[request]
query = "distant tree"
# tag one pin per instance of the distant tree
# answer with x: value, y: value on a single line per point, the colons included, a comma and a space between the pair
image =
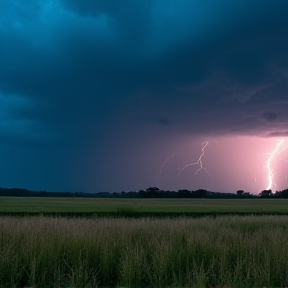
x: 247, y: 195
x: 142, y: 193
x: 152, y: 192
x: 284, y: 193
x: 200, y: 193
x: 152, y: 189
x: 266, y: 193
x: 183, y: 193
x: 281, y: 194
x: 240, y: 193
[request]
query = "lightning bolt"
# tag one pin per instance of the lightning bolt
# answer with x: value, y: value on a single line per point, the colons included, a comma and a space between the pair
x: 270, y: 159
x: 164, y: 163
x: 199, y: 162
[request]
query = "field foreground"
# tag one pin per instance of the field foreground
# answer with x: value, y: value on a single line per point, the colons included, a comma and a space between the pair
x: 90, y: 207
x: 229, y: 251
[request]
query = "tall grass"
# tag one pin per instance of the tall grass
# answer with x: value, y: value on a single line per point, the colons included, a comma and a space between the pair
x: 227, y: 251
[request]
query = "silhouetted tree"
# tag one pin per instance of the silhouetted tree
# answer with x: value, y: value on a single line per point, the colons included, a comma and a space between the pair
x: 284, y: 193
x: 247, y: 195
x: 281, y: 194
x: 183, y: 193
x: 152, y: 191
x: 240, y: 193
x: 141, y: 193
x: 266, y: 193
x: 200, y: 193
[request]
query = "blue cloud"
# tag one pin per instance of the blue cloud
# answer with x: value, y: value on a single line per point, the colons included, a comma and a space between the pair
x: 88, y: 70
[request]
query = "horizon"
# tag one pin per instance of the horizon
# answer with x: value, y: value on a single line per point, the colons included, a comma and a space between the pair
x: 140, y: 190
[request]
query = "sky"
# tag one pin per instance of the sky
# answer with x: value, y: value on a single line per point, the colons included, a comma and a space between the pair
x: 97, y: 95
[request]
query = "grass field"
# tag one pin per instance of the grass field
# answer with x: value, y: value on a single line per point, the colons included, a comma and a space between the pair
x: 124, y: 248
x: 140, y: 207
x: 229, y: 251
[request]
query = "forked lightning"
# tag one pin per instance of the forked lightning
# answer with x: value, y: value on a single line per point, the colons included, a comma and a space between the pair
x: 199, y: 162
x: 164, y: 163
x: 270, y: 169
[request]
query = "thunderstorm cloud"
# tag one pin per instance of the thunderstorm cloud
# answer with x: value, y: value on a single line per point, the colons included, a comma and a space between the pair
x: 83, y: 82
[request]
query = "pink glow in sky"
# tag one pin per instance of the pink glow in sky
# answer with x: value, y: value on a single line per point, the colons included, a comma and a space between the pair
x: 240, y: 162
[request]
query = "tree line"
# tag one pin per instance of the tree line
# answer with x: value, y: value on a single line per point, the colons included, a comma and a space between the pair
x: 151, y: 192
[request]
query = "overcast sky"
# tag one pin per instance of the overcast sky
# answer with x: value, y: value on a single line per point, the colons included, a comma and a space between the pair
x: 97, y: 95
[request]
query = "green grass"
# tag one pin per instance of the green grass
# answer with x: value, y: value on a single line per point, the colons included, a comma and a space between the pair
x: 140, y: 207
x: 229, y: 251
x: 204, y: 252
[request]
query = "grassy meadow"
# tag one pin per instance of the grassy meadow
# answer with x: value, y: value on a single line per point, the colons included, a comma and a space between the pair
x: 143, y: 243
x: 229, y: 251
x: 139, y: 207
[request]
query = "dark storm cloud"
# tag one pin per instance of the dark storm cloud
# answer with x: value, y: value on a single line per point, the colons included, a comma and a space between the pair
x: 74, y: 72
x: 128, y: 18
x: 84, y: 61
